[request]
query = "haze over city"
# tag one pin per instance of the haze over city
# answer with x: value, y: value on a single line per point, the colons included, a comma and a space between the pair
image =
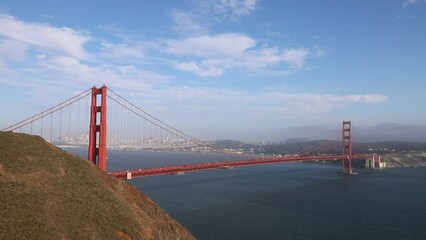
x: 245, y: 70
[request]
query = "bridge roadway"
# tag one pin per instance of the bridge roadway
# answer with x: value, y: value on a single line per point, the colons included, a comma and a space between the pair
x: 225, y: 165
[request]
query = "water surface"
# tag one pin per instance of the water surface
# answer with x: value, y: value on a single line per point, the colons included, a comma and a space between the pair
x: 284, y: 200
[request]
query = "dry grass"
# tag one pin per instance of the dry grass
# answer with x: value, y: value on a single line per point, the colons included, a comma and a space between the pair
x: 47, y: 193
x: 405, y: 159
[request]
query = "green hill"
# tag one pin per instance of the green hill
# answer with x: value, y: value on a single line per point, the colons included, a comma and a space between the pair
x: 46, y: 193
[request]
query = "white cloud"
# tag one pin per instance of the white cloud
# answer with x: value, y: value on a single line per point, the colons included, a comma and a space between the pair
x: 291, y: 102
x: 244, y: 109
x: 59, y: 60
x: 212, y: 55
x: 3, y: 69
x: 296, y: 57
x: 65, y: 41
x: 71, y: 71
x: 200, y: 70
x: 12, y: 50
x: 203, y: 13
x: 51, y: 56
x: 368, y: 98
x: 311, y: 102
x: 229, y: 44
x: 208, y: 55
x: 66, y: 68
x: 260, y: 58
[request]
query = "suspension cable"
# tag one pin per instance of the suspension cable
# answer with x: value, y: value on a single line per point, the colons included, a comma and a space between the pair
x: 47, y: 112
x: 187, y: 137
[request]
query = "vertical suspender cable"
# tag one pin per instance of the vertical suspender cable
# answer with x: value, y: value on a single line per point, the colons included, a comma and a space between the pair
x: 51, y: 127
x: 69, y: 122
x: 78, y: 122
x: 41, y: 128
x: 60, y: 125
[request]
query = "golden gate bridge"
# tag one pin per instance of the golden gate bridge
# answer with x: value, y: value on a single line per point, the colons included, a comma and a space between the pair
x: 83, y: 121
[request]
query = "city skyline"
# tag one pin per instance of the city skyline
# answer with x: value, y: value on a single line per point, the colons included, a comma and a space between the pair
x: 244, y: 70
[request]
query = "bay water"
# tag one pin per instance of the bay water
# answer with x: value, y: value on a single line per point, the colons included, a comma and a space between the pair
x: 283, y: 200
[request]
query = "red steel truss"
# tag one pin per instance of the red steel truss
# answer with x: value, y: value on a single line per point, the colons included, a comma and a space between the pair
x: 230, y: 164
x: 347, y: 147
x: 98, y: 128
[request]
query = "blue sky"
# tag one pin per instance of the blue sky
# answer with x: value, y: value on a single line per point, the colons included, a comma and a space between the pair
x: 223, y: 69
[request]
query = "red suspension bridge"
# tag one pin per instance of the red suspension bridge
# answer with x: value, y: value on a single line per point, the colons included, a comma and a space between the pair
x: 65, y: 124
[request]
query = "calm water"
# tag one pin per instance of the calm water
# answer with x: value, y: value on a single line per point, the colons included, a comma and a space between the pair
x: 284, y: 201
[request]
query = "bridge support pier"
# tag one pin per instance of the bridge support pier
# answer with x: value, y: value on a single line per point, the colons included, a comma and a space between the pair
x: 375, y: 162
x: 97, y: 152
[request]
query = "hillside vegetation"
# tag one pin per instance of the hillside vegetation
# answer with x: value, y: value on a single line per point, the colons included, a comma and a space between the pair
x: 46, y: 193
x: 405, y: 159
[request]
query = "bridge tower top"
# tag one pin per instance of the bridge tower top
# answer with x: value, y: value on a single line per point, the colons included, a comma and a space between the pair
x: 347, y: 138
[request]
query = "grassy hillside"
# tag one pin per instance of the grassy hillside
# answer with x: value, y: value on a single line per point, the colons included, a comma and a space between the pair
x: 46, y: 193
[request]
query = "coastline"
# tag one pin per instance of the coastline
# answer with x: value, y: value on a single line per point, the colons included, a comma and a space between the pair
x: 405, y: 159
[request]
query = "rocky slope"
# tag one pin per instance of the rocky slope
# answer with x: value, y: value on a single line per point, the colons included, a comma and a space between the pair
x: 46, y: 193
x: 405, y: 159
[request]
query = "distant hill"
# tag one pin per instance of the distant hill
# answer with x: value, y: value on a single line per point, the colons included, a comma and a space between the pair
x: 46, y: 193
x: 394, y: 153
x: 300, y: 145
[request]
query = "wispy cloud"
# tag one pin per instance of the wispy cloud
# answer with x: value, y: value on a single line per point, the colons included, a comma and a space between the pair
x: 239, y: 107
x: 230, y: 44
x: 285, y: 102
x: 13, y: 50
x: 187, y: 22
x: 200, y: 69
x: 406, y: 4
x: 66, y: 41
x: 70, y: 74
x: 296, y: 57
x: 211, y: 55
x: 239, y: 7
x: 61, y: 52
x: 406, y: 15
x: 312, y: 102
x: 59, y: 58
x: 201, y: 14
x: 411, y: 2
x: 123, y: 50
x: 73, y: 71
x: 230, y: 9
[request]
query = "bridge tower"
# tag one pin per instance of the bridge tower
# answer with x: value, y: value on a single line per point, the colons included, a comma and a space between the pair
x: 347, y: 147
x: 98, y: 128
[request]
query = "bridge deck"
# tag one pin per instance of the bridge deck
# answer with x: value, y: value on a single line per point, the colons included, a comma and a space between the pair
x: 216, y: 165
